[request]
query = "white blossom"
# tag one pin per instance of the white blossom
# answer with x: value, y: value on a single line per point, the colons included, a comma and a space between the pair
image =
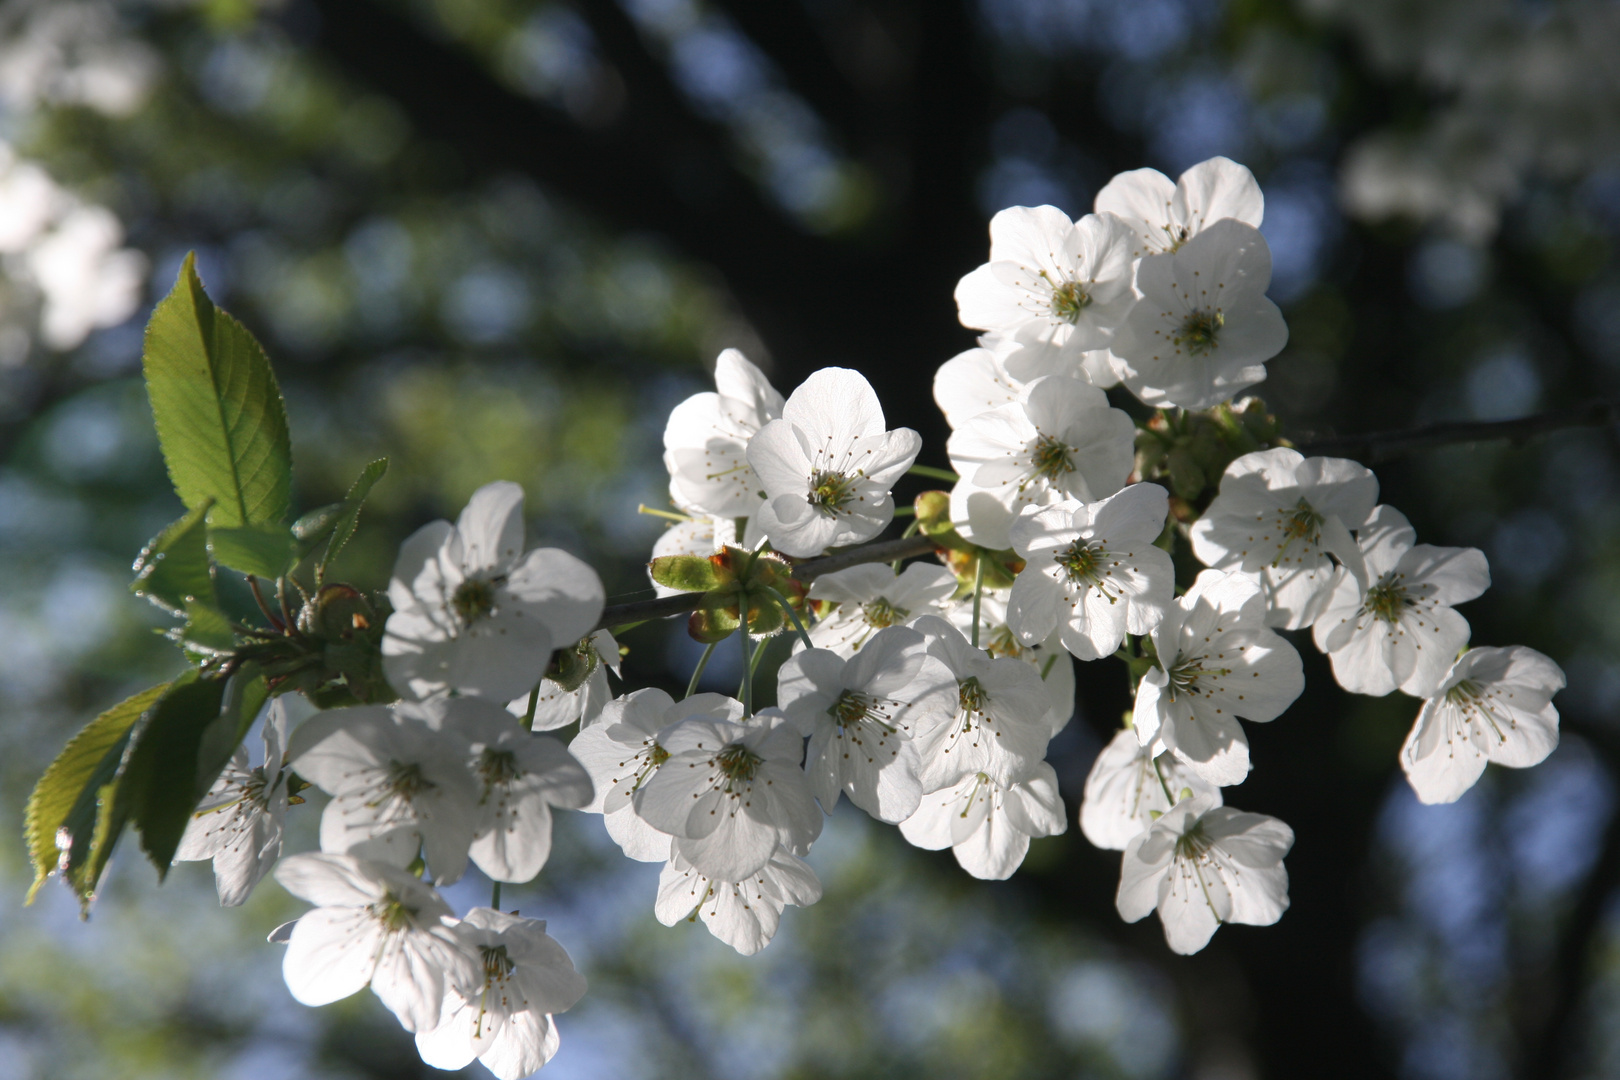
x: 827, y: 465
x: 556, y: 707
x: 730, y: 793
x: 1092, y: 573
x: 706, y: 440
x: 1052, y: 284
x: 998, y: 724
x: 1493, y: 705
x: 1049, y: 658
x: 1126, y: 790
x: 871, y: 597
x: 862, y: 715
x: 1059, y: 440
x: 1204, y: 327
x: 1278, y: 518
x: 1202, y: 865
x: 399, y: 780
x: 988, y: 824
x: 238, y: 823
x: 473, y: 613
x: 376, y: 925
x: 1216, y: 661
x: 973, y: 382
x: 521, y: 775
x: 1388, y: 622
x: 743, y: 914
x: 505, y: 1019
x: 1163, y: 216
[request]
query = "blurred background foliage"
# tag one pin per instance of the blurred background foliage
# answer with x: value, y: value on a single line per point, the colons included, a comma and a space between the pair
x: 501, y: 238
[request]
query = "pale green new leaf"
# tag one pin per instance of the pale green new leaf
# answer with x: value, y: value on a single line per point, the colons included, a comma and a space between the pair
x: 173, y: 568
x: 343, y: 528
x: 218, y: 410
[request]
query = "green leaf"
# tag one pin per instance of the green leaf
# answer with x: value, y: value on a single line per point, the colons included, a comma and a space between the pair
x: 88, y: 762
x: 207, y: 631
x: 689, y: 573
x: 173, y: 567
x: 245, y: 695
x: 219, y: 414
x: 265, y: 550
x: 343, y: 528
x: 159, y: 781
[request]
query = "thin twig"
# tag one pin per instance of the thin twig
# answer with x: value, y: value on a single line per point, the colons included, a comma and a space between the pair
x: 1385, y: 445
x: 883, y: 551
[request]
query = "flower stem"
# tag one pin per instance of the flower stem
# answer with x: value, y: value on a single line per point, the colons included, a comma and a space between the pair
x: 528, y: 720
x: 978, y: 595
x: 668, y: 515
x: 748, y: 659
x: 905, y: 511
x: 787, y: 609
x: 933, y: 473
x: 911, y: 530
x: 1168, y: 794
x: 697, y: 672
x: 495, y: 896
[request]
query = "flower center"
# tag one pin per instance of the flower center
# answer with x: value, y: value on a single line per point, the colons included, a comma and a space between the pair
x: 1193, y: 843
x: 392, y: 912
x: 738, y: 762
x: 1068, y: 300
x: 1386, y: 600
x: 830, y: 490
x: 1184, y: 675
x: 1080, y: 560
x: 1198, y: 332
x: 473, y: 600
x: 851, y: 707
x: 407, y: 781
x: 971, y: 695
x: 880, y: 613
x: 498, y: 767
x: 497, y: 965
x: 1002, y: 642
x: 1050, y: 458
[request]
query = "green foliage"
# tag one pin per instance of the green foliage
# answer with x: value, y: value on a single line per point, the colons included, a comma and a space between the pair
x: 265, y: 550
x: 219, y: 414
x: 960, y: 555
x: 173, y: 570
x: 89, y: 762
x: 349, y: 513
x: 158, y: 787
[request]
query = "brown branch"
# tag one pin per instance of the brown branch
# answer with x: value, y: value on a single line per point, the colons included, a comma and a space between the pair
x: 883, y: 551
x: 1385, y: 445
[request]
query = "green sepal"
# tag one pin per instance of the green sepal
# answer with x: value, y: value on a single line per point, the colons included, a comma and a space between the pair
x: 265, y: 550
x: 692, y: 573
x: 173, y: 568
x: 570, y: 667
x: 220, y: 418
x: 60, y: 820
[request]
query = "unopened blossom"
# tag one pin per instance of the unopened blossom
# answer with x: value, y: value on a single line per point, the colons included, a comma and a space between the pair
x: 1061, y: 439
x: 399, y: 782
x: 988, y: 824
x: 1388, y: 623
x: 862, y: 715
x: 871, y: 597
x: 505, y: 1019
x: 520, y: 775
x: 621, y: 752
x: 1216, y: 660
x: 998, y: 724
x: 1129, y: 786
x: 1493, y: 705
x: 828, y: 464
x: 1051, y: 661
x: 1204, y: 327
x: 1201, y: 865
x: 1163, y: 215
x: 1278, y: 518
x: 706, y: 440
x: 730, y: 793
x: 1091, y: 570
x: 238, y: 823
x: 743, y: 914
x: 557, y: 707
x: 1053, y: 284
x: 377, y: 925
x: 473, y: 613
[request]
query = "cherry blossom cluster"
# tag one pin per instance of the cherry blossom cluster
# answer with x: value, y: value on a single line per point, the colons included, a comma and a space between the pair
x: 926, y: 694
